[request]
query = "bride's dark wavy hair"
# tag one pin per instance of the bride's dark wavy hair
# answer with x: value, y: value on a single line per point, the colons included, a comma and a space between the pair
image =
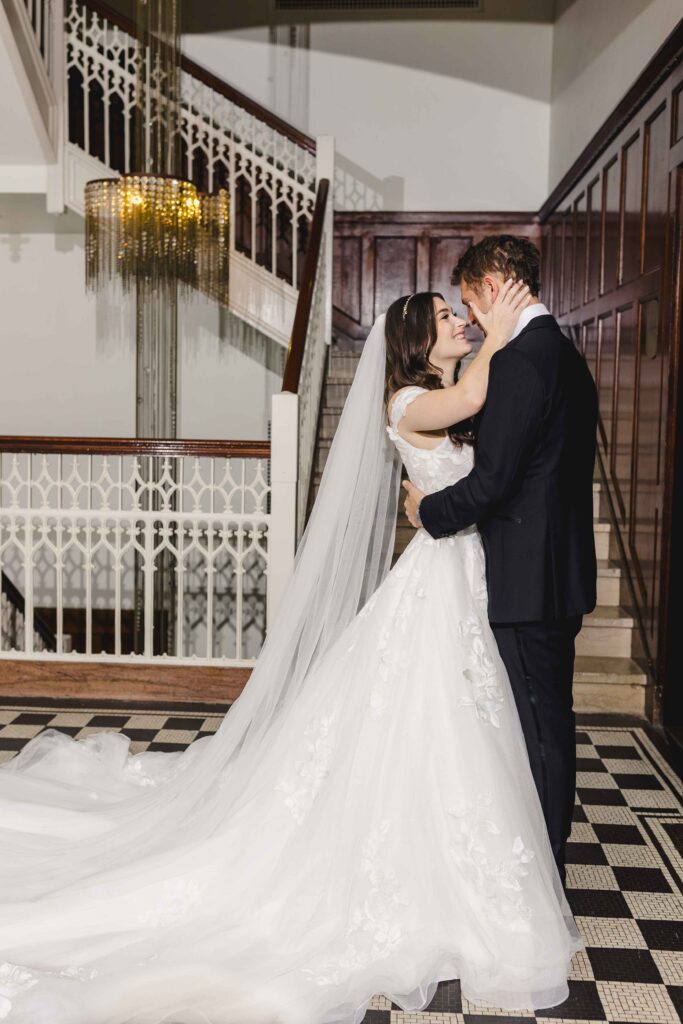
x: 409, y: 344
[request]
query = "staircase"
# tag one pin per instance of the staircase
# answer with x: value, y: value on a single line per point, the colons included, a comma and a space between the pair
x: 607, y: 676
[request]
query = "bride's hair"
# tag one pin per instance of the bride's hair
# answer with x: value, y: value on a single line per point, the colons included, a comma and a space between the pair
x: 410, y: 330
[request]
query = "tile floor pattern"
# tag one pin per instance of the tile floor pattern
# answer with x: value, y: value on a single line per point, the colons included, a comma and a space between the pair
x: 625, y: 862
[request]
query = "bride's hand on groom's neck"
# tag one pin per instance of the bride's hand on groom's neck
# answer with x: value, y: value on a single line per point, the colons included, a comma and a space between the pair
x: 501, y: 318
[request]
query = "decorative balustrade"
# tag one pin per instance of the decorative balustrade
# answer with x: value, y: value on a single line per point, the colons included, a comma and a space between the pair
x: 161, y: 549
x: 143, y: 551
x: 226, y: 141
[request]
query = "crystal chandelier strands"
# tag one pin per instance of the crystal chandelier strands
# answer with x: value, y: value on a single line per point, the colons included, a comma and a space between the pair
x: 155, y: 226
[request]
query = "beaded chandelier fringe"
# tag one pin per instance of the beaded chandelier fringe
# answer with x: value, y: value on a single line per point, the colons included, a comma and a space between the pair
x: 153, y: 225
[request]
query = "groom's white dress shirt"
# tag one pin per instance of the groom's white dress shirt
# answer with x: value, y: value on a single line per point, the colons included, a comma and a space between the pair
x: 527, y: 314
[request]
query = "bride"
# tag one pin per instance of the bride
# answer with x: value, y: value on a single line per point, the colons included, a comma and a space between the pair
x: 365, y: 819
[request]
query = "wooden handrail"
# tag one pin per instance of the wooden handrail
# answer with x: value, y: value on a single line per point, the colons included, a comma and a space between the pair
x: 134, y: 446
x: 212, y: 81
x: 290, y: 380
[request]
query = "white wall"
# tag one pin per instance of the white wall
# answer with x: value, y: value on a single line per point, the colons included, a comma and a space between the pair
x: 55, y: 379
x: 433, y: 115
x: 599, y: 49
x: 67, y: 363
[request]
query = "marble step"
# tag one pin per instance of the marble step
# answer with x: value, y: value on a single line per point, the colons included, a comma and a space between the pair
x: 609, y: 684
x: 322, y: 450
x: 334, y: 393
x: 329, y: 421
x: 605, y: 545
x: 343, y: 366
x: 611, y: 585
x: 606, y: 632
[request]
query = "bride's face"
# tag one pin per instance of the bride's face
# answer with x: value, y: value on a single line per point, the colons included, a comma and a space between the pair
x: 450, y: 333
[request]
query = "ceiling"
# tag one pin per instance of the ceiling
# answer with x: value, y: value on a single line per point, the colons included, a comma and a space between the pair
x: 200, y: 16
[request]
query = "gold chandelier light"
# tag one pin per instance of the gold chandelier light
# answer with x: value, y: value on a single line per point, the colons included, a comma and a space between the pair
x: 155, y: 226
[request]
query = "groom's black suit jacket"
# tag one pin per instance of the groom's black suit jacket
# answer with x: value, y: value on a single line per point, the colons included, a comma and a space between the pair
x: 531, y: 489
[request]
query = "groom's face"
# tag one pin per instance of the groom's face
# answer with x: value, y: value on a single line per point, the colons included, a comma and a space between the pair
x: 483, y: 293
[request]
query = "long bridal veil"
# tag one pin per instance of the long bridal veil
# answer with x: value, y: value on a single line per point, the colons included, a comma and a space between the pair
x: 70, y: 809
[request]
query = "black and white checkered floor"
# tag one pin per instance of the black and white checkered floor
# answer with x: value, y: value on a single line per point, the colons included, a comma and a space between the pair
x: 625, y: 862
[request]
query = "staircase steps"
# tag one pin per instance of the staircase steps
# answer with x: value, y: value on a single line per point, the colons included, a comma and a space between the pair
x: 607, y: 676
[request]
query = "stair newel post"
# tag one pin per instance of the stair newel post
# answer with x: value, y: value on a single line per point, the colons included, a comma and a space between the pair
x: 56, y: 61
x: 284, y: 464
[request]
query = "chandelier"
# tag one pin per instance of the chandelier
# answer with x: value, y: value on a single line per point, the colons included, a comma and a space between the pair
x: 154, y: 226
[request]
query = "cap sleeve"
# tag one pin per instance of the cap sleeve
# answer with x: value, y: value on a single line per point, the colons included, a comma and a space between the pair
x: 401, y: 402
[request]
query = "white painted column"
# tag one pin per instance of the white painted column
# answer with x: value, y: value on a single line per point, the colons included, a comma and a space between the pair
x: 284, y: 462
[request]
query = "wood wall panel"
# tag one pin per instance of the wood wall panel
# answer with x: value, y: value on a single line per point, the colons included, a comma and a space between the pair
x: 656, y: 189
x: 395, y: 270
x: 632, y: 208
x: 380, y: 256
x: 605, y: 373
x: 618, y: 255
x: 610, y: 225
x: 579, y: 253
x: 594, y: 232
x: 621, y: 452
x: 648, y: 453
x: 444, y: 254
x: 348, y: 256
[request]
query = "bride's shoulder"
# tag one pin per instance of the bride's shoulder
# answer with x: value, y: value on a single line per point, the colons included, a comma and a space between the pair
x: 402, y: 397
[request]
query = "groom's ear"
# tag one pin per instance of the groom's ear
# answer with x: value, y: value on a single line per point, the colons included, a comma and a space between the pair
x: 491, y: 287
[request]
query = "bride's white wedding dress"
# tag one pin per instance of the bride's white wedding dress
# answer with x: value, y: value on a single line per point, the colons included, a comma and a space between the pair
x: 388, y: 836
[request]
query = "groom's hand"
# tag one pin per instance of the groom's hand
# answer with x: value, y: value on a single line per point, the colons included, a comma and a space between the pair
x: 413, y: 499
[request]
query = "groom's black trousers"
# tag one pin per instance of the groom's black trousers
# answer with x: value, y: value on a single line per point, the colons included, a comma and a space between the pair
x: 539, y: 658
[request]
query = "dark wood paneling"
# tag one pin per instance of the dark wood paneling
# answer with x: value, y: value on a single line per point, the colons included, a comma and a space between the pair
x: 444, y: 254
x: 395, y: 271
x: 621, y: 452
x: 610, y: 225
x: 632, y: 207
x: 594, y: 251
x: 624, y: 317
x: 656, y: 189
x: 579, y: 269
x: 647, y: 468
x: 605, y: 374
x: 380, y: 256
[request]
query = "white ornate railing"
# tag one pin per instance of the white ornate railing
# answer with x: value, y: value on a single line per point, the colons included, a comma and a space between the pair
x: 89, y: 532
x: 226, y: 141
x: 77, y: 541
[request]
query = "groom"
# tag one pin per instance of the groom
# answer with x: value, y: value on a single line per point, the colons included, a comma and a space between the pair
x: 531, y: 495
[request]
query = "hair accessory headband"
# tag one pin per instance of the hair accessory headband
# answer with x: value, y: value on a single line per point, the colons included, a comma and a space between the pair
x: 405, y: 308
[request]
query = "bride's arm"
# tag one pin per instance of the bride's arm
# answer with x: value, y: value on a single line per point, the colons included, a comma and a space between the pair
x: 445, y: 406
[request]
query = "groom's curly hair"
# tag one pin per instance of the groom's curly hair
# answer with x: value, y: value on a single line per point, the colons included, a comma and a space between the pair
x: 409, y: 341
x: 511, y: 255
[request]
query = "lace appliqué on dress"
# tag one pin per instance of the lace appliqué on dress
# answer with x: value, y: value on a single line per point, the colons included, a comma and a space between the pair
x: 14, y: 980
x: 497, y: 880
x: 179, y: 895
x: 300, y: 796
x: 373, y: 924
x: 487, y: 693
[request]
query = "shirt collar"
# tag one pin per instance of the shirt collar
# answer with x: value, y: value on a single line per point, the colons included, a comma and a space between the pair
x: 527, y: 315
